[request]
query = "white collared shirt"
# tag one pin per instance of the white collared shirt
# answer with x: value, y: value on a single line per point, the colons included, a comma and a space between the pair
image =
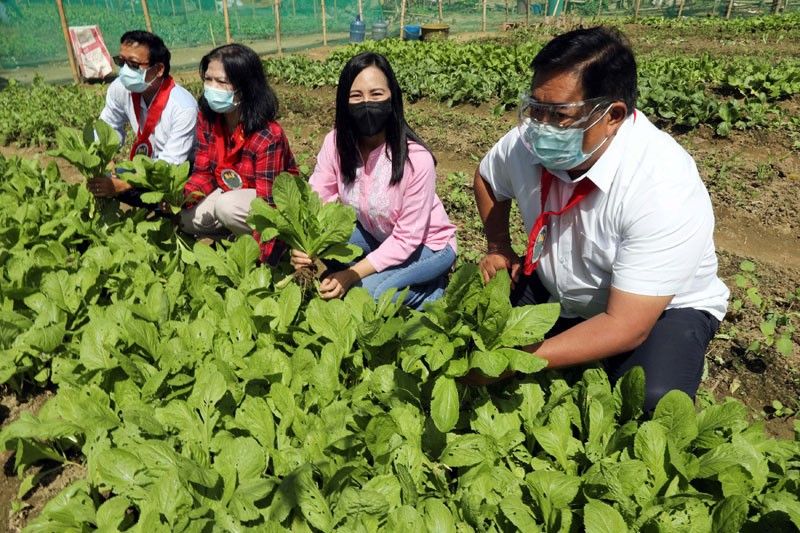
x: 647, y: 230
x: 173, y: 136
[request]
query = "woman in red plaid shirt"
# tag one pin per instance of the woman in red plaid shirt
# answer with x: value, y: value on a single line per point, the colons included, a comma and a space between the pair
x: 240, y: 146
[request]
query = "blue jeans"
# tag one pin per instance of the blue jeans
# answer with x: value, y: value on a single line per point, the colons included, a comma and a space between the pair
x: 424, y: 272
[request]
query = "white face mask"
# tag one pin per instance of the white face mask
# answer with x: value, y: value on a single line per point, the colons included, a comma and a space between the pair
x: 134, y: 80
x: 219, y: 100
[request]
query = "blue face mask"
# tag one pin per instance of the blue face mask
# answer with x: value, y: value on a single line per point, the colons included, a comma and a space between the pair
x: 133, y: 80
x: 557, y: 148
x: 218, y: 100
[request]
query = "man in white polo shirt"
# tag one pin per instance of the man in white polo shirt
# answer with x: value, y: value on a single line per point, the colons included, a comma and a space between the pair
x: 620, y: 224
x: 161, y: 113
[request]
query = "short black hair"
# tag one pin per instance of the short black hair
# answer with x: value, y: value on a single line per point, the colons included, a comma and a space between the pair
x: 398, y: 132
x: 601, y: 57
x: 159, y: 53
x: 258, y: 104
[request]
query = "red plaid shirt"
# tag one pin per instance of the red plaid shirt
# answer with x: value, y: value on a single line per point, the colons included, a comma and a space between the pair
x: 265, y: 154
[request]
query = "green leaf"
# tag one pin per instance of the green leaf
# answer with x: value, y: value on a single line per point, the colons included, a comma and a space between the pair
x: 599, y: 517
x: 519, y: 514
x: 650, y: 445
x: 444, y: 403
x: 120, y: 470
x: 629, y: 392
x: 494, y: 313
x: 438, y: 517
x: 111, y: 513
x: 528, y: 324
x: 491, y: 364
x: 524, y: 362
x: 729, y: 515
x: 465, y: 450
x: 675, y: 411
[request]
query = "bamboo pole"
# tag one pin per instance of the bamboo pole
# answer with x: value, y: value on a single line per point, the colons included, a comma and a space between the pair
x: 236, y: 16
x: 294, y: 8
x: 147, y: 22
x: 174, y: 12
x: 730, y: 8
x: 483, y: 22
x: 441, y: 17
x: 680, y: 8
x: 324, y: 24
x: 277, y: 7
x: 564, y: 9
x: 361, y: 9
x: 636, y: 9
x: 506, y: 11
x: 65, y: 28
x: 599, y: 7
x: 227, y: 20
x: 213, y: 40
x: 402, y: 18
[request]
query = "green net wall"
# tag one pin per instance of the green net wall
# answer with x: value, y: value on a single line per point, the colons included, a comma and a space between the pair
x: 31, y: 36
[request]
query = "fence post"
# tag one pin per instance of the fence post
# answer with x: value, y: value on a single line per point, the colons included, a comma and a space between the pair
x: 680, y: 8
x: 730, y: 8
x: 402, y: 18
x: 277, y: 7
x: 361, y: 10
x: 148, y: 24
x: 483, y: 21
x: 441, y: 18
x: 228, y: 39
x: 324, y: 24
x: 636, y: 9
x: 65, y: 28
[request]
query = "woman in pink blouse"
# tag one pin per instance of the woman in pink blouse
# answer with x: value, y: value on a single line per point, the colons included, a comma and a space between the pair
x: 374, y: 162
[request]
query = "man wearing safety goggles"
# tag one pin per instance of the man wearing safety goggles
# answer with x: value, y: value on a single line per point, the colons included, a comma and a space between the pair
x: 161, y: 114
x: 620, y: 224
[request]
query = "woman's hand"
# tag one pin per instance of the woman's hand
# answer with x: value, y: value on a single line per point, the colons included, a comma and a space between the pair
x: 107, y: 186
x: 299, y: 259
x: 337, y: 284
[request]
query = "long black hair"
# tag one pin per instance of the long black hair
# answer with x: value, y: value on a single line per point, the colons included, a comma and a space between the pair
x: 258, y: 104
x: 398, y: 132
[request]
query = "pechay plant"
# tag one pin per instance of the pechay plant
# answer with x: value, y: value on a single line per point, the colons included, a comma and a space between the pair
x: 162, y: 181
x: 90, y: 151
x: 305, y: 223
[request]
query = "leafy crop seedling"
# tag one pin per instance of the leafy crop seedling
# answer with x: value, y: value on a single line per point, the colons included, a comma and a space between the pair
x: 305, y: 223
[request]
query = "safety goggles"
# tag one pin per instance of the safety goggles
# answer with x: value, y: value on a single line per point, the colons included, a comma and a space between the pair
x: 568, y: 115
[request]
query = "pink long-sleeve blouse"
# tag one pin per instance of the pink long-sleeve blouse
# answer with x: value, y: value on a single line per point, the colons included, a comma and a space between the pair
x: 401, y: 217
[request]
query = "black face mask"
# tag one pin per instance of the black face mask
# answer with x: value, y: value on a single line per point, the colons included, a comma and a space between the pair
x: 369, y: 118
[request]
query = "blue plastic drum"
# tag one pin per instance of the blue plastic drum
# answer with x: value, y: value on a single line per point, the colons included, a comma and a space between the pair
x: 412, y: 32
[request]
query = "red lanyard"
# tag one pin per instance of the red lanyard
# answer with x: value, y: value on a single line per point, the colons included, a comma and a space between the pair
x: 538, y: 234
x: 142, y: 143
x: 228, y: 158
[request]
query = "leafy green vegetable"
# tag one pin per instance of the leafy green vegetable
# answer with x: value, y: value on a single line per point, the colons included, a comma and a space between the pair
x: 90, y: 151
x: 163, y: 181
x: 302, y: 221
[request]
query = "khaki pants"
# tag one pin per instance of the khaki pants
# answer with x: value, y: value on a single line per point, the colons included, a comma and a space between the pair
x: 219, y: 213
